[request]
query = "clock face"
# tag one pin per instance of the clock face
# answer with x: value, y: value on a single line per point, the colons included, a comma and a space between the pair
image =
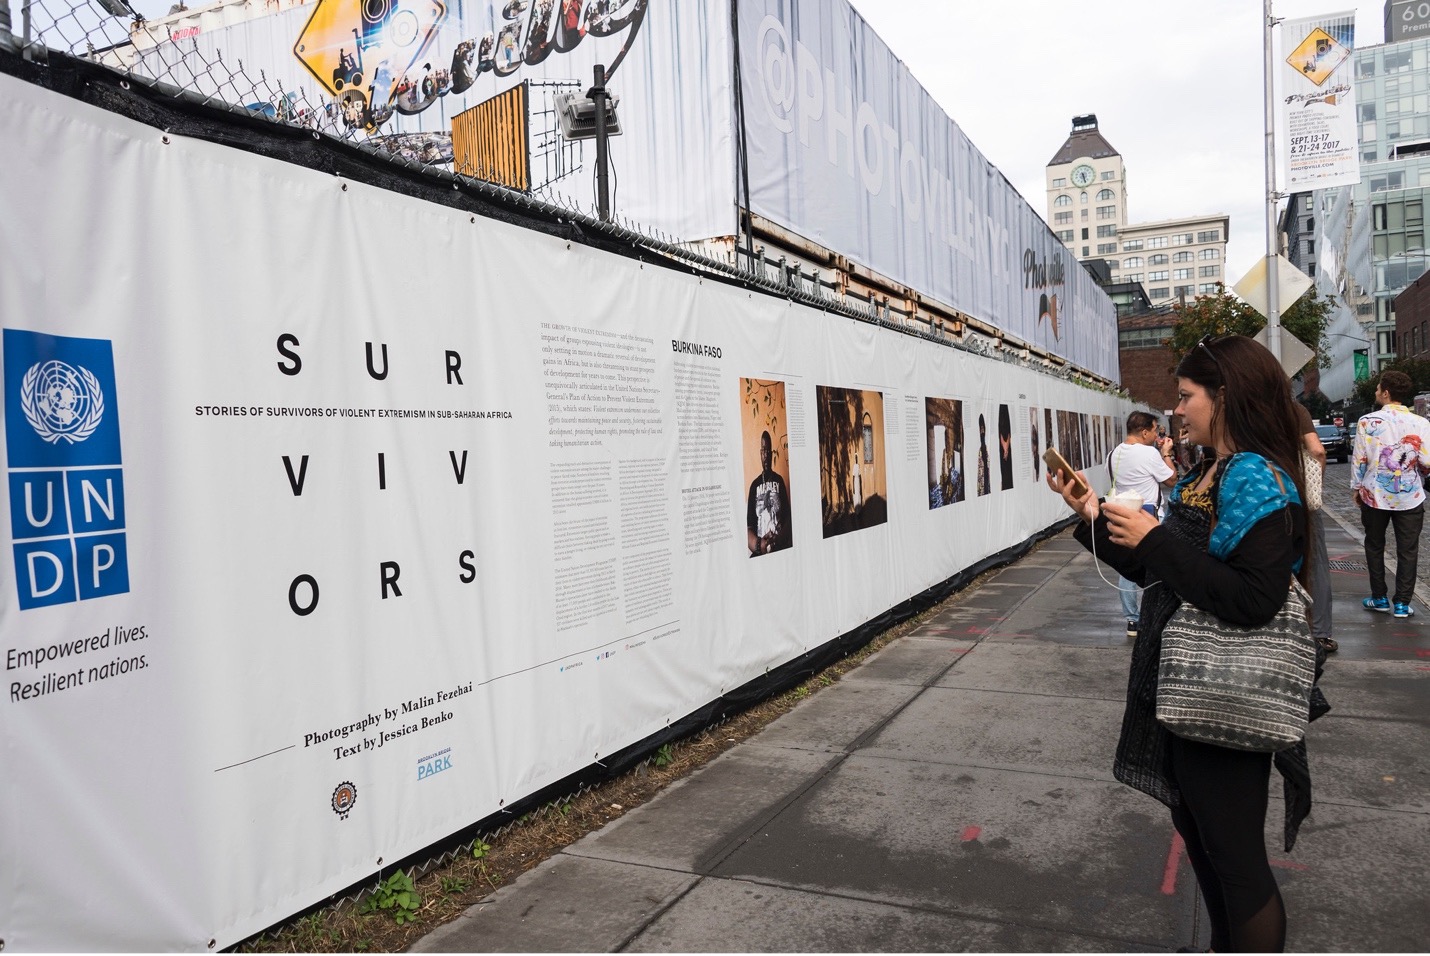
x: 1082, y: 175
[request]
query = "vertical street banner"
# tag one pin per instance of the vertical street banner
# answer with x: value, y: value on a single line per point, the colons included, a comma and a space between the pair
x: 1317, y: 115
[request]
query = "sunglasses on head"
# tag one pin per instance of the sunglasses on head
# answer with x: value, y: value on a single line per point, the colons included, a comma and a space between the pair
x: 1207, y: 341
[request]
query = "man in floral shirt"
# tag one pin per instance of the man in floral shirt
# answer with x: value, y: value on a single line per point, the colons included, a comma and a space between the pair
x: 1391, y: 457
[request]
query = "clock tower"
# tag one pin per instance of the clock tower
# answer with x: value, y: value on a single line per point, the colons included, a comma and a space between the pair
x: 1087, y: 192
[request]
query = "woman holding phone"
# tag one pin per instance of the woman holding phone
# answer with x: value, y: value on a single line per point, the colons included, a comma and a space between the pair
x: 1234, y: 535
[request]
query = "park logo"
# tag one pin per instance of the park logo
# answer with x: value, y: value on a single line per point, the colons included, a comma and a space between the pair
x: 64, y: 471
x: 344, y: 797
x: 433, y: 764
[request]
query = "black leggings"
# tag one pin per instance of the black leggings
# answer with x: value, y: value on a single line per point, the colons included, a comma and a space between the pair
x: 1222, y: 821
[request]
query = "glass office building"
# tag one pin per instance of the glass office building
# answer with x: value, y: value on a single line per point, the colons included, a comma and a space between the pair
x: 1366, y: 243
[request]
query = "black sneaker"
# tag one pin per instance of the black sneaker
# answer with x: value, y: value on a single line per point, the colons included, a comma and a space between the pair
x: 1131, y: 628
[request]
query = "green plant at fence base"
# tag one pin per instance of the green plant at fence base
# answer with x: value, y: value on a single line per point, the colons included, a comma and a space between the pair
x: 397, y: 895
x: 479, y: 849
x: 454, y: 884
x: 664, y: 756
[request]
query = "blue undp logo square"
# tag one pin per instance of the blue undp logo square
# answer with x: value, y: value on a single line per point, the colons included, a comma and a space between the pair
x: 66, y: 486
x: 44, y: 571
x: 60, y: 405
x: 96, y: 499
x: 101, y: 565
x: 37, y: 504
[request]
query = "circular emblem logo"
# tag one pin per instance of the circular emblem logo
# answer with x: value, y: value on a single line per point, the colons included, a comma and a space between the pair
x: 344, y: 796
x: 61, y: 402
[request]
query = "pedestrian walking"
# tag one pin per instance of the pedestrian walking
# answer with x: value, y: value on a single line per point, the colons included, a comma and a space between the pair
x: 1141, y: 464
x: 1319, y: 574
x: 1233, y: 538
x: 1388, y: 466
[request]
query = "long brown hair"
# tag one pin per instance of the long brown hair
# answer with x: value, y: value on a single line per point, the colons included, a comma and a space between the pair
x: 1251, y: 402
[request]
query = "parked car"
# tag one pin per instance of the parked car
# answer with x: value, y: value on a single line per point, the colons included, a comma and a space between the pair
x: 1336, y: 440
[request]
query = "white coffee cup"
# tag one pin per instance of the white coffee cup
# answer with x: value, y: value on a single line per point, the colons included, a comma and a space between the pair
x: 1128, y: 499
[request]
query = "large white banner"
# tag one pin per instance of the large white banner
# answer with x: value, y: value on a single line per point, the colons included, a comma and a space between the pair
x: 1317, y: 119
x: 847, y: 148
x: 844, y: 146
x: 309, y: 565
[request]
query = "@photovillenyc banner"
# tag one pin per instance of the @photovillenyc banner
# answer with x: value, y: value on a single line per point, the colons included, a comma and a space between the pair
x: 1318, y: 107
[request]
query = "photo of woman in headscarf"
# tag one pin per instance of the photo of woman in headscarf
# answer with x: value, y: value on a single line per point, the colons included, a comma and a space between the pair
x: 983, y: 485
x: 1005, y: 448
x: 1033, y: 435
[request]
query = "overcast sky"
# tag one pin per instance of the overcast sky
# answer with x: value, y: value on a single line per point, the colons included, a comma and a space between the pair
x: 1176, y: 86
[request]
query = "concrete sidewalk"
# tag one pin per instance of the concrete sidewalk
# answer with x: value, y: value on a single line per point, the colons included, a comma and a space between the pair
x: 955, y: 793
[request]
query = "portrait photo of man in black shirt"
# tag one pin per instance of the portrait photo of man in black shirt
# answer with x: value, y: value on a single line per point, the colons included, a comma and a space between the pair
x: 767, y: 511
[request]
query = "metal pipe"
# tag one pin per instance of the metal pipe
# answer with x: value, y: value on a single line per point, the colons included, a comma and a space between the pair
x: 597, y: 93
x: 1273, y: 306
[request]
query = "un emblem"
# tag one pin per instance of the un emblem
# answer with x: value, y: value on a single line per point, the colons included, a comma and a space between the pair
x: 61, y: 402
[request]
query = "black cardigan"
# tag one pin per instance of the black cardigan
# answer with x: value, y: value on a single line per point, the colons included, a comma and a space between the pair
x: 1246, y: 589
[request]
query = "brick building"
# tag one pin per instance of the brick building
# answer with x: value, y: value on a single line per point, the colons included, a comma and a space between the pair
x: 1146, y: 367
x: 1412, y: 319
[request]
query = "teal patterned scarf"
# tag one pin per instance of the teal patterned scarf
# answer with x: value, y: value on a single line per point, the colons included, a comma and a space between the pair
x: 1247, y: 492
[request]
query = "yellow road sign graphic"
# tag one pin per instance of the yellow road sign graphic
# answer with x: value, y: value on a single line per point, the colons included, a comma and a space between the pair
x: 1317, y: 56
x: 367, y: 46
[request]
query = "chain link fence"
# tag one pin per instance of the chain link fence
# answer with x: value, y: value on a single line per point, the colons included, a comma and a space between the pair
x: 166, y: 55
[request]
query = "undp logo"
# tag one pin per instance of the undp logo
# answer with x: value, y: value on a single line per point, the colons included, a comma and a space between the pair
x: 62, y: 403
x: 64, y: 469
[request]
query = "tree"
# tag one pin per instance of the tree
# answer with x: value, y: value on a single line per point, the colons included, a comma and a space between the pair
x: 1417, y: 369
x: 1225, y: 314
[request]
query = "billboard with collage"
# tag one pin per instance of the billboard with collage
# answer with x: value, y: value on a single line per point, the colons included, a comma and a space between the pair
x: 299, y: 581
x: 398, y: 73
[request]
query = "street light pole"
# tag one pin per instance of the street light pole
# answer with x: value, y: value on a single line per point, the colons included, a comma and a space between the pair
x: 1273, y: 306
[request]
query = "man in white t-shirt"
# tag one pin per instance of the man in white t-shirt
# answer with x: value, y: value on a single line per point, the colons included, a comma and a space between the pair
x: 1141, y: 464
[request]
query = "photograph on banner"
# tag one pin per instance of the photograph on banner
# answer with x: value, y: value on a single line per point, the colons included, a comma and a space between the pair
x: 1050, y: 437
x: 1316, y: 124
x: 983, y: 483
x: 853, y: 483
x: 943, y: 439
x: 1070, y: 438
x: 1036, y: 452
x: 764, y: 434
x: 1005, y: 448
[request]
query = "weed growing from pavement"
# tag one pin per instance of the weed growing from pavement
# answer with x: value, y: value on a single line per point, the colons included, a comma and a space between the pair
x: 443, y: 892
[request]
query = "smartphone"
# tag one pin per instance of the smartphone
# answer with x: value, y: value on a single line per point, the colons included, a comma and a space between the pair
x: 1058, y: 463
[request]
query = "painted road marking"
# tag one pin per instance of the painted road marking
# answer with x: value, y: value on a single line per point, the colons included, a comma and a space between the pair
x: 1174, y: 859
x: 1179, y: 848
